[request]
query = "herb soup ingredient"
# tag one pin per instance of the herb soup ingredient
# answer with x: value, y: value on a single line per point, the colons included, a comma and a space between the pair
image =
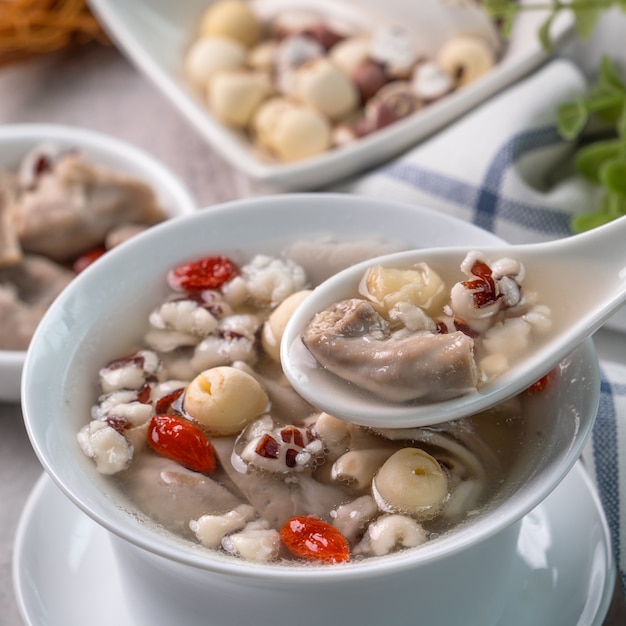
x: 207, y: 273
x: 409, y: 337
x: 182, y: 441
x: 311, y: 538
x: 278, y: 481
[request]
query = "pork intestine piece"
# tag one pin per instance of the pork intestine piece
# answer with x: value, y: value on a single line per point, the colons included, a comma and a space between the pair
x: 353, y: 341
x: 18, y: 321
x: 10, y: 249
x: 279, y: 498
x: 74, y: 206
x: 26, y: 291
x: 172, y: 495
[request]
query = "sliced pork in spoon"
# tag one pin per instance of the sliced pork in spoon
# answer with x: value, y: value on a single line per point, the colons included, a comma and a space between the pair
x: 353, y: 341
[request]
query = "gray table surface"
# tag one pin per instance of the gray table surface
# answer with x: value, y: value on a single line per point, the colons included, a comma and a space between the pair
x: 99, y: 89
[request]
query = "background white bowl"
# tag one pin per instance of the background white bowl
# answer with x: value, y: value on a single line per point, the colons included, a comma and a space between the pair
x: 16, y: 140
x: 175, y: 581
x: 155, y: 34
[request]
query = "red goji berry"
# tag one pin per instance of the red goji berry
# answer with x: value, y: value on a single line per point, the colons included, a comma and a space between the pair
x: 164, y: 404
x: 210, y: 272
x: 86, y: 259
x: 538, y: 385
x: 180, y: 440
x: 311, y: 538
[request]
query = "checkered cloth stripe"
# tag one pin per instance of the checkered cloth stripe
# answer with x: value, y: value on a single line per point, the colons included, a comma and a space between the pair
x: 604, y: 457
x: 485, y: 203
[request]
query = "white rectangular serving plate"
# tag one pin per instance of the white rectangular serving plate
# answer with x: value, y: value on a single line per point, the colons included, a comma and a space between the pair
x: 155, y: 34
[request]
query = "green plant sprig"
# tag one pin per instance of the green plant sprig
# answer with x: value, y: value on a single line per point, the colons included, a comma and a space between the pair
x: 586, y: 14
x: 600, y: 161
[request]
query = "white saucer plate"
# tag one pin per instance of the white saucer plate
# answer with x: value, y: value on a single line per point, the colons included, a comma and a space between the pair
x: 64, y: 570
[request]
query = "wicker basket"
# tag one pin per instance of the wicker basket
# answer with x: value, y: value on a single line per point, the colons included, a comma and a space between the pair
x: 30, y: 28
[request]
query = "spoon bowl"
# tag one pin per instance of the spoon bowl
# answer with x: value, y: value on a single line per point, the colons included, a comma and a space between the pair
x: 582, y: 279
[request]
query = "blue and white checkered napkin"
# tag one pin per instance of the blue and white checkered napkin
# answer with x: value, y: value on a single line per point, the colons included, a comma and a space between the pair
x: 501, y: 167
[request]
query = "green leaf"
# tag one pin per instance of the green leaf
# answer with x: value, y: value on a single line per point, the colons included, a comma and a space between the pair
x: 606, y: 105
x: 498, y: 8
x: 585, y: 20
x: 507, y: 24
x: 592, y: 158
x: 620, y: 124
x: 606, y: 90
x: 611, y: 207
x: 571, y: 118
x: 544, y: 32
x: 600, y: 98
x: 587, y: 221
x: 614, y: 204
x: 613, y: 176
x: 608, y: 76
x: 608, y: 96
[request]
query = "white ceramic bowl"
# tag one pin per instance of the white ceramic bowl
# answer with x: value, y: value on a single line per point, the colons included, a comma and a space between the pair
x: 155, y: 34
x: 18, y: 139
x: 460, y: 578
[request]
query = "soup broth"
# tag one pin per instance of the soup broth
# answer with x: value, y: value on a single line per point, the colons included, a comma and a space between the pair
x: 200, y: 429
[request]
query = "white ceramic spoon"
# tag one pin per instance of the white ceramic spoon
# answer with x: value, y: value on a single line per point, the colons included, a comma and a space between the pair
x: 581, y: 278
